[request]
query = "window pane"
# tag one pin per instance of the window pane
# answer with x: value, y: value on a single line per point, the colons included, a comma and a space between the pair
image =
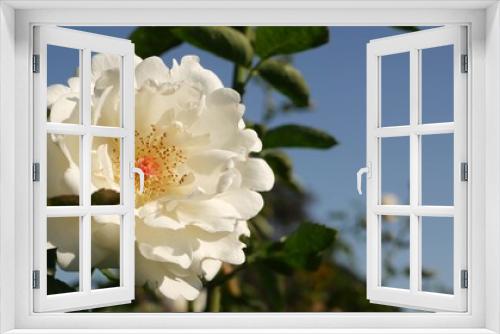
x: 395, y: 171
x: 63, y: 85
x: 395, y: 245
x: 437, y: 84
x: 63, y: 244
x: 437, y: 169
x: 63, y: 170
x: 105, y: 176
x: 395, y: 90
x: 105, y: 251
x: 437, y: 254
x: 106, y: 89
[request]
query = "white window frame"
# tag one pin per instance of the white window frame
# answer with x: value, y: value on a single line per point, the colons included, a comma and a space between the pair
x: 483, y: 18
x: 84, y: 43
x: 413, y: 45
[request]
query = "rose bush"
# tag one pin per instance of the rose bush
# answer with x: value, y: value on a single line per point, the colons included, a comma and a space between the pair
x: 201, y: 184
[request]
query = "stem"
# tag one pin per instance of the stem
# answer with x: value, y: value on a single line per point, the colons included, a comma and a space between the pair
x: 224, y: 278
x: 252, y: 72
x: 238, y: 79
x: 215, y: 297
x: 239, y: 71
x: 190, y: 306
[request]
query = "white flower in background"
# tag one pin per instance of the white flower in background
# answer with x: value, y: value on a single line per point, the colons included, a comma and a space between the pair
x: 390, y: 199
x: 201, y: 186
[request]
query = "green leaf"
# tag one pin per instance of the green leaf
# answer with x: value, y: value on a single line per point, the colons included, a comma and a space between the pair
x: 292, y: 135
x: 302, y: 249
x: 282, y: 167
x: 153, y: 41
x: 225, y: 42
x: 270, y: 288
x: 270, y: 41
x: 286, y: 79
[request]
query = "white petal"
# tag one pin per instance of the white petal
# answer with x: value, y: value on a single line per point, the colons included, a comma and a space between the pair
x: 74, y: 84
x: 243, y: 142
x: 188, y: 287
x: 152, y: 68
x: 242, y: 228
x: 206, y: 162
x: 65, y: 109
x: 163, y: 254
x: 56, y: 169
x: 190, y: 70
x: 105, y: 242
x: 72, y: 178
x: 164, y: 222
x: 63, y: 233
x: 170, y: 279
x: 164, y: 245
x: 210, y: 268
x: 224, y: 97
x: 54, y: 92
x: 224, y: 246
x: 212, y: 215
x: 256, y: 174
x: 246, y: 202
x: 226, y: 180
x: 102, y: 62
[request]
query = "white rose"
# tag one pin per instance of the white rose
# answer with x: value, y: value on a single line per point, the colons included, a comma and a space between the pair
x: 201, y: 186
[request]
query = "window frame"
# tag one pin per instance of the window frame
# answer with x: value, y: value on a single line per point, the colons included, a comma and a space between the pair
x: 413, y: 44
x: 483, y: 18
x: 84, y: 43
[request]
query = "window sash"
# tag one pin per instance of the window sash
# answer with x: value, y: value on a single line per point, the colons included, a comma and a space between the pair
x: 86, y: 297
x: 413, y: 43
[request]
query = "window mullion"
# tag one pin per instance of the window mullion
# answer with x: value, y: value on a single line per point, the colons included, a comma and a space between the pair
x: 85, y: 236
x: 415, y: 241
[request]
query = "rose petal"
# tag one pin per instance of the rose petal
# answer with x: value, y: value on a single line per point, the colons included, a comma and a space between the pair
x: 256, y: 174
x: 152, y: 69
x: 55, y: 92
x: 247, y: 203
x: 210, y: 268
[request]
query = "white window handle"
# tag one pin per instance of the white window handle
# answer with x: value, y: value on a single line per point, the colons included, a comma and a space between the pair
x: 134, y: 170
x: 365, y: 170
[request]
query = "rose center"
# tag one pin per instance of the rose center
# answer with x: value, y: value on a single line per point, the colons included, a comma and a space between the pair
x: 160, y: 161
x: 148, y: 165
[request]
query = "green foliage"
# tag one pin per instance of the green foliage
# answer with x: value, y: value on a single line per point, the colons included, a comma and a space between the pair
x: 236, y: 44
x: 293, y: 135
x: 282, y: 167
x: 153, y: 41
x: 225, y: 42
x: 302, y: 249
x: 271, y: 41
x: 286, y: 79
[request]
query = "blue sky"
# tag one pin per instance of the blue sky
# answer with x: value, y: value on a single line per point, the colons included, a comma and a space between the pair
x: 336, y: 74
